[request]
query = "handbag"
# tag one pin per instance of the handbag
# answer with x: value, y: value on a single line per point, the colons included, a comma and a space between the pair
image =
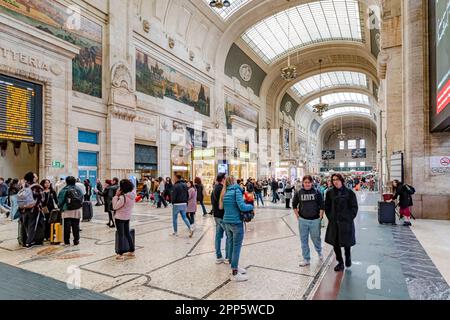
x: 45, y: 210
x: 247, y: 216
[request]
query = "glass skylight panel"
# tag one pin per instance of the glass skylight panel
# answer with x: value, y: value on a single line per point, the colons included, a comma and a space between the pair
x: 330, y: 80
x: 310, y: 23
x: 340, y: 98
x: 345, y: 110
x: 226, y: 13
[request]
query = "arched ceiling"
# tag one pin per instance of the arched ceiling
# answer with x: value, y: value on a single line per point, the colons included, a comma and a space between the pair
x: 349, y: 122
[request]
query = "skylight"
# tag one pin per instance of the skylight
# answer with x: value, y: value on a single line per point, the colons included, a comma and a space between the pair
x: 309, y: 23
x: 330, y: 80
x: 226, y: 13
x: 340, y: 98
x: 345, y: 110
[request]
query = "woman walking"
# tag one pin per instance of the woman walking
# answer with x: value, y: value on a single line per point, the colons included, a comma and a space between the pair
x: 200, y: 193
x: 192, y: 203
x: 341, y: 208
x: 106, y: 194
x: 404, y: 193
x: 12, y: 192
x: 232, y: 201
x: 123, y: 204
x: 48, y: 204
x: 88, y: 187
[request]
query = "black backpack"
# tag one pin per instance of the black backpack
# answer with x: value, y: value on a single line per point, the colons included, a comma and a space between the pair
x: 74, y: 198
x: 410, y: 189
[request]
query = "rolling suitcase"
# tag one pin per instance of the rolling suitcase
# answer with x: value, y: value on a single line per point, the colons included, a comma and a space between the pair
x: 124, y: 242
x: 56, y: 233
x: 386, y: 212
x: 88, y: 211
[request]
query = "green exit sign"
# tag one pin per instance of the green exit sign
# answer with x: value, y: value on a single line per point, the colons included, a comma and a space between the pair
x: 57, y: 164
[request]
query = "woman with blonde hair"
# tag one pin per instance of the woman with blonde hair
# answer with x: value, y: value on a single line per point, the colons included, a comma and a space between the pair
x: 232, y: 202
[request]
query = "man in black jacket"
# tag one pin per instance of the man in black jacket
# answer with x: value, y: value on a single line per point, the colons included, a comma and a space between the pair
x: 218, y: 217
x: 98, y: 191
x: 274, y: 188
x: 180, y: 196
x: 341, y: 208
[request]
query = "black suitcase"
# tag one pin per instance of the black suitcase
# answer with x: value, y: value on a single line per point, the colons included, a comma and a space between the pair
x: 386, y: 212
x: 125, y: 245
x: 88, y: 211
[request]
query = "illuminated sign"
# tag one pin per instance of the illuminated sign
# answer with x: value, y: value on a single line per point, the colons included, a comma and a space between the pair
x: 206, y: 153
x: 20, y: 110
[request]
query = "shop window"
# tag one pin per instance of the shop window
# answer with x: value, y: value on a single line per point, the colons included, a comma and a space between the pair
x: 87, y: 137
x: 341, y: 145
x: 362, y: 164
x: 362, y: 144
x: 352, y: 164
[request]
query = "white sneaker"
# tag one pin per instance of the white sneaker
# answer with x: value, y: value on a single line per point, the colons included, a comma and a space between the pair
x: 304, y: 263
x: 227, y: 261
x: 242, y: 270
x: 220, y: 260
x: 238, y: 277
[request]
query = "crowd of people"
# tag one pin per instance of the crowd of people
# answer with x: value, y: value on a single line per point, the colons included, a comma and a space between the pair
x: 233, y: 204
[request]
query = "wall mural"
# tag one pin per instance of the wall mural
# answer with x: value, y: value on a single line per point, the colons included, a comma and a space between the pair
x: 232, y: 107
x: 159, y: 80
x: 64, y: 23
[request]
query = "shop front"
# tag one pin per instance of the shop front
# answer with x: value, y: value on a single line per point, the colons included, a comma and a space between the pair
x: 181, y: 162
x: 287, y: 170
x: 204, y: 166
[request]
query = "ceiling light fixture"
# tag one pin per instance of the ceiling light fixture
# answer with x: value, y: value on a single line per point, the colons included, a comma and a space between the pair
x: 320, y: 108
x: 289, y: 73
x: 341, y: 136
x: 219, y: 4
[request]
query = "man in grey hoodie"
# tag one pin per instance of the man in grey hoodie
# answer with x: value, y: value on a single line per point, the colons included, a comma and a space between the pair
x: 309, y: 208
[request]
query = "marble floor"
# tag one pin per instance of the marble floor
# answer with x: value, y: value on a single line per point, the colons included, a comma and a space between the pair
x: 168, y: 267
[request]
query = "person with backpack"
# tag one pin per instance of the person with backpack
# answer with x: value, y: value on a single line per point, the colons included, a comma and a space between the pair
x: 218, y: 218
x: 404, y: 193
x: 70, y: 201
x: 29, y: 199
x: 123, y: 204
x: 232, y: 202
x: 288, y: 194
x: 309, y: 209
x: 341, y: 208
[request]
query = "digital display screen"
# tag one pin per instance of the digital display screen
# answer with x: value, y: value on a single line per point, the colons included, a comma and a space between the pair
x: 439, y: 17
x: 443, y: 54
x: 20, y: 110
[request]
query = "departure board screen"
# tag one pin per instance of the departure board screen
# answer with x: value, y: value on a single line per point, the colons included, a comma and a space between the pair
x: 20, y: 110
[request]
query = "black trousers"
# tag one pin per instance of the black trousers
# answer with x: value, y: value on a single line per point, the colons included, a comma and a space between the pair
x: 123, y: 229
x: 47, y: 226
x: 191, y: 217
x: 110, y: 215
x: 74, y: 225
x: 161, y: 199
x: 288, y: 202
x: 29, y: 223
x: 338, y: 252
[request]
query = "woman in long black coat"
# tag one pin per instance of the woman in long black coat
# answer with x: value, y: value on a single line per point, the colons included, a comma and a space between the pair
x: 341, y: 208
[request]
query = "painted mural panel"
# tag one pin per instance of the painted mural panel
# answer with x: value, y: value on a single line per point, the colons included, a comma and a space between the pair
x: 68, y: 24
x: 233, y: 107
x: 159, y: 80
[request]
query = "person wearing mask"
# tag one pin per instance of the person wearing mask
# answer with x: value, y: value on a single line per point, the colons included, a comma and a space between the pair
x: 218, y: 218
x: 180, y: 197
x: 309, y: 209
x: 12, y: 192
x: 123, y: 204
x: 192, y: 203
x: 168, y: 190
x: 232, y: 202
x: 33, y: 222
x: 98, y: 193
x: 88, y: 188
x: 288, y: 194
x: 60, y: 185
x: 404, y: 193
x: 258, y: 192
x: 80, y: 185
x: 71, y: 216
x: 161, y: 190
x: 49, y: 204
x: 341, y: 208
x: 200, y: 194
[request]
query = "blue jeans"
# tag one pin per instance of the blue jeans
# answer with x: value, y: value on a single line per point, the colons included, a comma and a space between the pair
x: 275, y: 197
x: 306, y: 228
x: 220, y: 230
x: 235, y: 234
x: 259, y: 197
x: 14, y: 206
x: 179, y: 209
x: 203, y: 207
x: 3, y: 202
